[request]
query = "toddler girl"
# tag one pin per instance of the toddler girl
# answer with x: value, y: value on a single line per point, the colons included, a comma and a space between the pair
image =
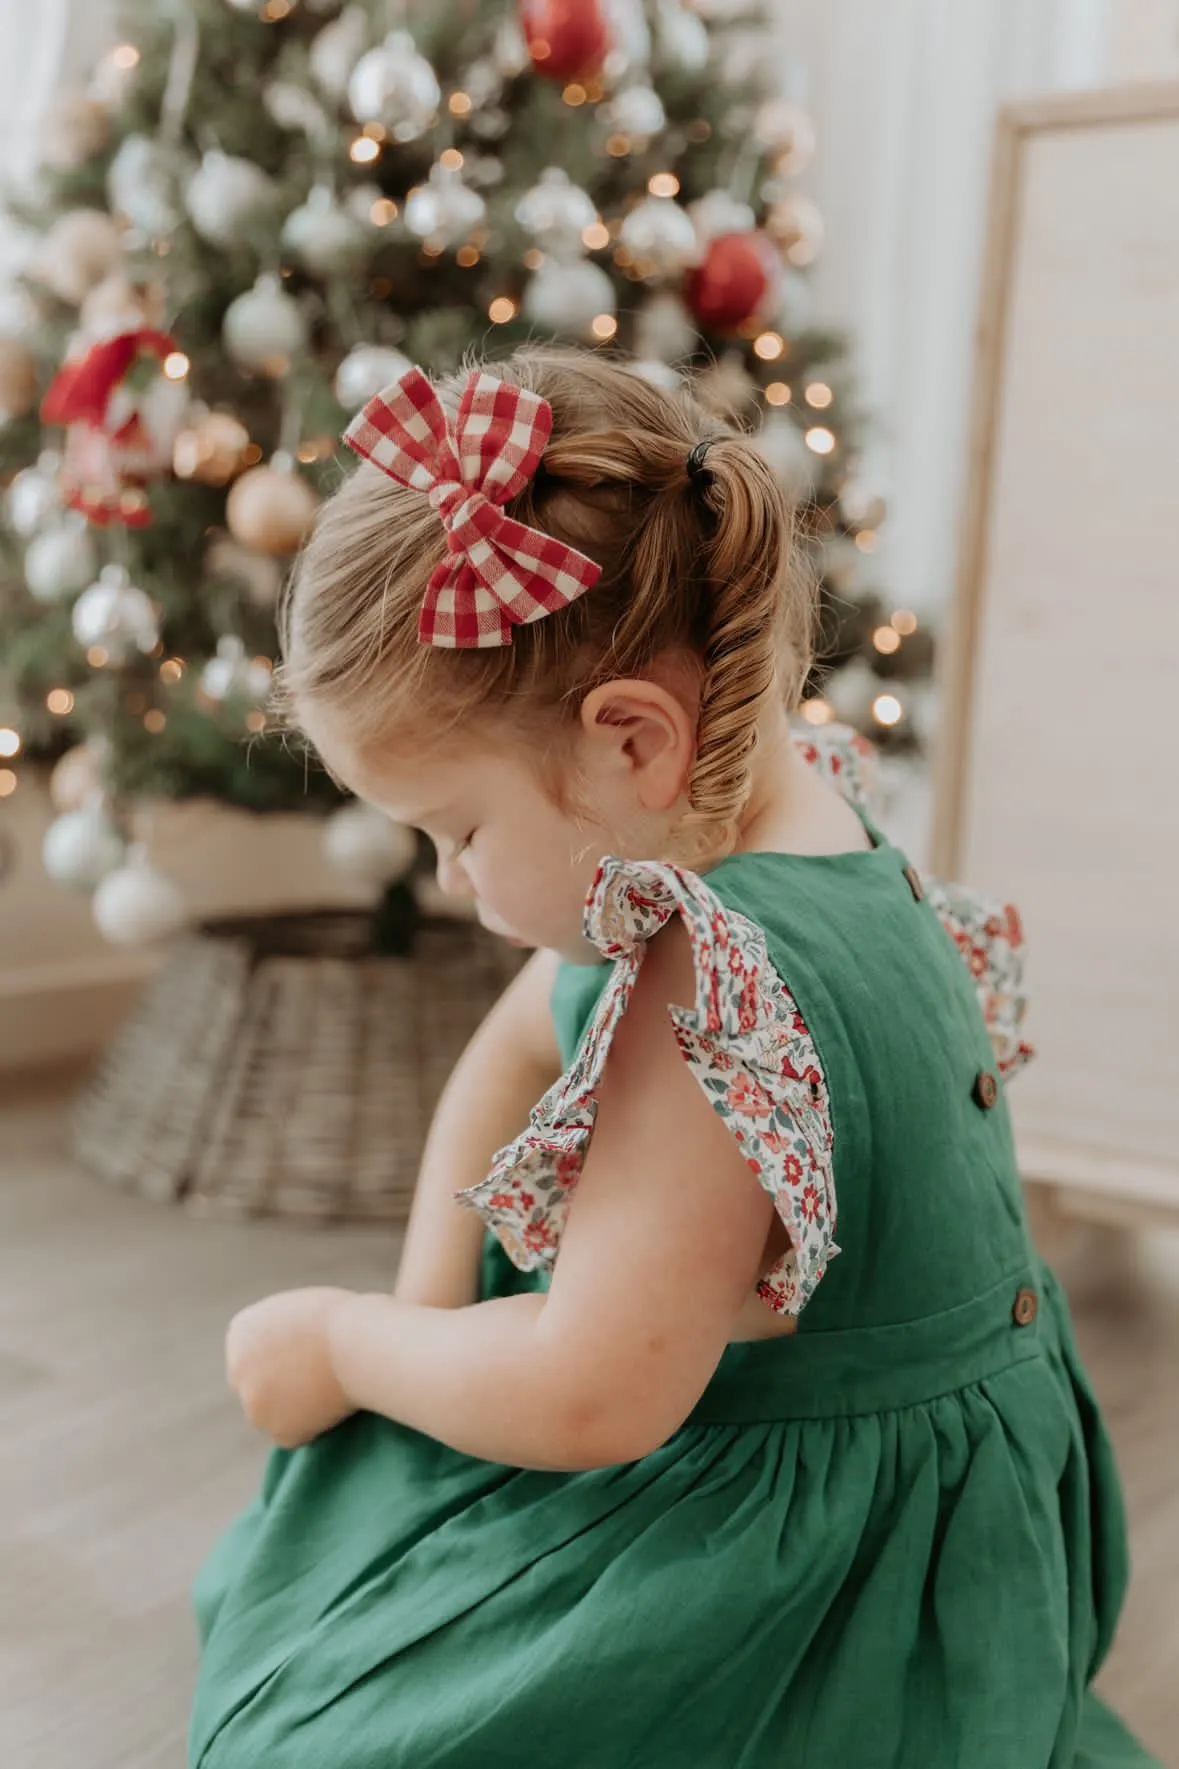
x: 670, y: 1486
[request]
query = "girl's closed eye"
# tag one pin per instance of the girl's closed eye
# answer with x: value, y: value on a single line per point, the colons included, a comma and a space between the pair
x: 461, y: 847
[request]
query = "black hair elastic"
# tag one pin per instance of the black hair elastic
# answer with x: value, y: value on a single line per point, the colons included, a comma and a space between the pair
x: 698, y: 471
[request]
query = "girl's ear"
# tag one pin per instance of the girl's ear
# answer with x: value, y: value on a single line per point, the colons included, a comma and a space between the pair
x: 640, y: 730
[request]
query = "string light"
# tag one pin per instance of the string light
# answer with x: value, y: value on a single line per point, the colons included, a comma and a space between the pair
x: 97, y: 657
x: 251, y: 454
x: 459, y: 104
x: 663, y: 184
x: 256, y: 722
x: 595, y: 237
x: 887, y: 709
x: 820, y: 440
x: 433, y: 249
x: 364, y: 150
x: 699, y: 131
x: 467, y: 257
x: 383, y: 212
x: 817, y: 711
x: 171, y: 669
x: 154, y: 721
x: 176, y: 365
x: 502, y: 309
x: 375, y: 131
x: 60, y: 701
x: 617, y: 146
x: 905, y: 622
x: 886, y: 640
x: 575, y: 94
x: 604, y: 326
x: 274, y: 10
x: 452, y: 159
x: 867, y: 540
x: 125, y: 56
x: 7, y: 783
x: 778, y: 393
x: 819, y: 395
x: 9, y: 741
x: 533, y: 258
x: 769, y: 346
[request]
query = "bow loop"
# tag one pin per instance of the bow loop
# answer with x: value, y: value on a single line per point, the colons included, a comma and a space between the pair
x: 498, y: 572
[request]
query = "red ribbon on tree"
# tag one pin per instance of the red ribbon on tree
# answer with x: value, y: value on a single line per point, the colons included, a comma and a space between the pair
x: 118, y: 434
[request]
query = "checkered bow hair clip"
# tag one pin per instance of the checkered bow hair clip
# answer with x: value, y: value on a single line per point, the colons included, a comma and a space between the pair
x: 499, y: 573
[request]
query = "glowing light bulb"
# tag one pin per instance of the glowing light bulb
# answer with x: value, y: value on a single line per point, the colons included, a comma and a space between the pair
x: 887, y: 709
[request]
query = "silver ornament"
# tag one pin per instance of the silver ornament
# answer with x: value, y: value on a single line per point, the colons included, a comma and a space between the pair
x: 228, y: 198
x: 510, y: 50
x: 664, y: 329
x: 661, y: 236
x: 135, y: 904
x: 231, y: 674
x: 683, y: 37
x: 367, y: 844
x: 395, y: 86
x: 568, y: 297
x: 34, y: 496
x: 61, y: 561
x: 630, y: 37
x: 444, y: 209
x: 144, y: 183
x: 116, y: 615
x: 719, y: 213
x: 367, y: 371
x: 555, y: 213
x: 264, y: 328
x: 293, y: 108
x: 336, y: 50
x: 638, y: 110
x: 325, y: 237
x: 82, y: 847
x: 483, y: 84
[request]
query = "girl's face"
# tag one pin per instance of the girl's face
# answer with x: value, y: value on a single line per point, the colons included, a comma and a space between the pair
x: 503, y: 843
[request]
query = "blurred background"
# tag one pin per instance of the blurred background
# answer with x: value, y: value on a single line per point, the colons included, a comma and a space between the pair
x: 928, y: 253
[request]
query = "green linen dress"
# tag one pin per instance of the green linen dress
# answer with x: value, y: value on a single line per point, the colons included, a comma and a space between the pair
x: 892, y: 1541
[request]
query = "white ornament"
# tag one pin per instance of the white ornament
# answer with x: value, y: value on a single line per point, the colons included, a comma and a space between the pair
x: 683, y: 37
x: 555, y: 212
x: 228, y: 198
x: 61, y: 561
x: 336, y: 50
x: 231, y: 674
x: 510, y: 51
x: 143, y: 183
x: 638, y: 111
x: 264, y: 328
x: 293, y: 108
x: 81, y: 847
x: 366, y: 371
x: 630, y: 35
x: 116, y: 615
x: 34, y: 496
x: 370, y: 846
x: 483, y: 84
x: 851, y: 691
x: 567, y: 298
x: 136, y: 904
x: 719, y: 213
x: 325, y: 237
x: 786, y: 130
x: 661, y: 236
x: 395, y: 86
x: 781, y: 443
x: 659, y: 374
x: 664, y: 329
x: 444, y: 209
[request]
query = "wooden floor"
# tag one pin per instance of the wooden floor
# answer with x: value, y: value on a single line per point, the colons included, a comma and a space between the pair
x: 122, y: 1455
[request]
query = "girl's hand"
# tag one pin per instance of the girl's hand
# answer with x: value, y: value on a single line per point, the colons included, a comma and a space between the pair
x: 278, y: 1361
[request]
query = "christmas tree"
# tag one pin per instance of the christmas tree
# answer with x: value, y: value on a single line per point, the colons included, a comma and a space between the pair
x: 255, y: 217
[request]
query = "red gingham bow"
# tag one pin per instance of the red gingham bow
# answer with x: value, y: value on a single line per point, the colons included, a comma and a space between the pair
x: 500, y: 572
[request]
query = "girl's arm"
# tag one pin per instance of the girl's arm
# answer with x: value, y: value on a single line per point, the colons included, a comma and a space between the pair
x: 509, y: 1064
x: 664, y: 1242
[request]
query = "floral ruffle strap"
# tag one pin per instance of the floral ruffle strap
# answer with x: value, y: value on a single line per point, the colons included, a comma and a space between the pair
x: 747, y: 1045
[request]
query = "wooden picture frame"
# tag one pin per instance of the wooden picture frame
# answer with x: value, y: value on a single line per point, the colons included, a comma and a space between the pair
x: 1057, y: 780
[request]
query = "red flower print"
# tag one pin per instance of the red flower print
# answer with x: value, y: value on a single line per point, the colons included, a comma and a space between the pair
x: 527, y: 1201
x: 568, y: 1171
x: 749, y: 1098
x: 720, y: 1059
x: 720, y: 930
x: 1014, y: 926
x: 539, y: 1237
x: 774, y: 1141
x: 978, y: 961
x: 501, y: 1201
x: 736, y: 962
x: 810, y: 1204
x: 715, y: 1022
x: 747, y: 1010
x: 794, y: 1169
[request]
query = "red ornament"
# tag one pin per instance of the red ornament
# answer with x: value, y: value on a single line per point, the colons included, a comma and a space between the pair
x: 737, y: 280
x: 120, y: 414
x: 566, y: 38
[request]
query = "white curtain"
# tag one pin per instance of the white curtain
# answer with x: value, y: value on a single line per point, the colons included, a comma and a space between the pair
x: 904, y: 94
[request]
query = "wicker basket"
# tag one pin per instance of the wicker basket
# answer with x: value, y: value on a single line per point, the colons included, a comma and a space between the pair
x: 278, y: 1066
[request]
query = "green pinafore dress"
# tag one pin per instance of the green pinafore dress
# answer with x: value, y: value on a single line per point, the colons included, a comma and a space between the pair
x: 892, y: 1541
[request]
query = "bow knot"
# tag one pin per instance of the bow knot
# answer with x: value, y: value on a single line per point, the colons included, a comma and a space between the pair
x: 499, y: 572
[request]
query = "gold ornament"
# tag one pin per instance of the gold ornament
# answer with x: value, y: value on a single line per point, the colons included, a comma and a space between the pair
x: 271, y: 509
x: 76, y: 129
x: 76, y: 778
x: 18, y: 380
x: 80, y: 249
x: 212, y: 450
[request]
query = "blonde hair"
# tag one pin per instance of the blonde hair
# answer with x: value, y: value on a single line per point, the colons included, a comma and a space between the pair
x: 701, y: 564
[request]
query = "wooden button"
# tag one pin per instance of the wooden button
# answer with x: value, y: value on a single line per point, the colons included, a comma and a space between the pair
x: 986, y: 1090
x: 912, y: 878
x: 1027, y: 1307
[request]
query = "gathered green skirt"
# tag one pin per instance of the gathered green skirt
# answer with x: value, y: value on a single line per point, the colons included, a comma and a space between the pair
x: 844, y: 1560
